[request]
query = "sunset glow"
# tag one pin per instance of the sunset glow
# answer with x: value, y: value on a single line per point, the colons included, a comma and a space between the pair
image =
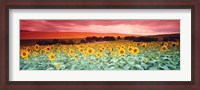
x: 139, y: 27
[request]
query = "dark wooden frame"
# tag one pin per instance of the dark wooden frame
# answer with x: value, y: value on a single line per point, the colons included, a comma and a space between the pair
x: 127, y: 4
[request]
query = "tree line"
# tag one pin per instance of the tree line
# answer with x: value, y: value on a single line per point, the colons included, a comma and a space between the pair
x: 106, y: 38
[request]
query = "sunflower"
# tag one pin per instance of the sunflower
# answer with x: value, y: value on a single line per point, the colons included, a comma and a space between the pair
x: 67, y: 54
x: 117, y: 46
x: 107, y: 47
x: 123, y: 46
x: 24, y: 54
x: 144, y: 45
x: 135, y: 51
x: 80, y: 49
x: 112, y: 54
x: 42, y: 51
x: 47, y: 49
x: 77, y: 46
x: 57, y: 66
x: 71, y: 52
x: 81, y: 46
x: 146, y: 60
x: 130, y: 49
x: 130, y: 45
x: 100, y: 50
x: 35, y: 53
x: 98, y: 54
x: 52, y: 57
x: 85, y: 54
x: 28, y: 49
x: 165, y: 44
x: 103, y: 48
x: 64, y: 49
x: 76, y: 57
x: 90, y: 51
x: 121, y: 51
x: 164, y: 48
x: 174, y: 44
x: 36, y: 47
x: 110, y: 49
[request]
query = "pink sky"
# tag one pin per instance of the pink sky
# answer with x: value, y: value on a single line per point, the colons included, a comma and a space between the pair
x: 141, y: 27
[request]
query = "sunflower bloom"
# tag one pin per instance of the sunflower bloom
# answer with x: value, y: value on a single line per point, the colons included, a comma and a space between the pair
x: 36, y: 47
x: 174, y: 44
x: 112, y: 54
x: 146, y: 60
x: 28, y: 49
x: 98, y: 54
x: 130, y: 49
x: 80, y: 49
x: 24, y: 54
x: 52, y: 57
x: 47, y: 49
x: 90, y: 51
x: 57, y: 66
x: 76, y: 57
x: 71, y: 52
x: 121, y: 52
x: 165, y: 44
x: 100, y: 50
x: 35, y: 53
x: 164, y: 48
x: 118, y: 46
x: 67, y: 54
x: 123, y: 46
x: 110, y: 49
x: 144, y: 45
x: 64, y: 49
x: 135, y: 51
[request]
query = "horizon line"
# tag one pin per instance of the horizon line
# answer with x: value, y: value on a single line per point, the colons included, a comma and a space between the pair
x: 105, y: 33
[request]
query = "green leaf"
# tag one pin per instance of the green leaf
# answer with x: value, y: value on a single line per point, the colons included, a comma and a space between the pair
x: 164, y: 67
x: 25, y: 67
x: 153, y: 68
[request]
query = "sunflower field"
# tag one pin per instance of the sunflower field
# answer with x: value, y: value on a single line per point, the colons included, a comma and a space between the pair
x: 107, y: 55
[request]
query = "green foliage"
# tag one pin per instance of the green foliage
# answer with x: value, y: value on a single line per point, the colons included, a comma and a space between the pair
x: 149, y: 58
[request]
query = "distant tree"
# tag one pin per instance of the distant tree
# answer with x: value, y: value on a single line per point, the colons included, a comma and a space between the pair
x: 42, y: 42
x: 165, y: 39
x: 131, y: 38
x: 140, y: 39
x: 108, y: 38
x: 174, y: 38
x: 119, y: 38
x: 83, y: 41
x: 55, y: 41
x: 100, y: 39
x: 63, y: 42
x: 70, y: 42
x: 88, y: 39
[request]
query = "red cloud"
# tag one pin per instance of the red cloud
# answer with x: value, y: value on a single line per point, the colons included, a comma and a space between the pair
x: 103, y: 26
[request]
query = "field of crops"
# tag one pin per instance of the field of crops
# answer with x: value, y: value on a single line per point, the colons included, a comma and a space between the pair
x: 107, y: 55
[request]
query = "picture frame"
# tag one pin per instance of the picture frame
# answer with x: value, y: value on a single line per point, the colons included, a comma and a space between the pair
x: 140, y: 85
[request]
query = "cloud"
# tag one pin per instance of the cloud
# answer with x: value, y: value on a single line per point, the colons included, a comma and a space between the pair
x: 103, y: 26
